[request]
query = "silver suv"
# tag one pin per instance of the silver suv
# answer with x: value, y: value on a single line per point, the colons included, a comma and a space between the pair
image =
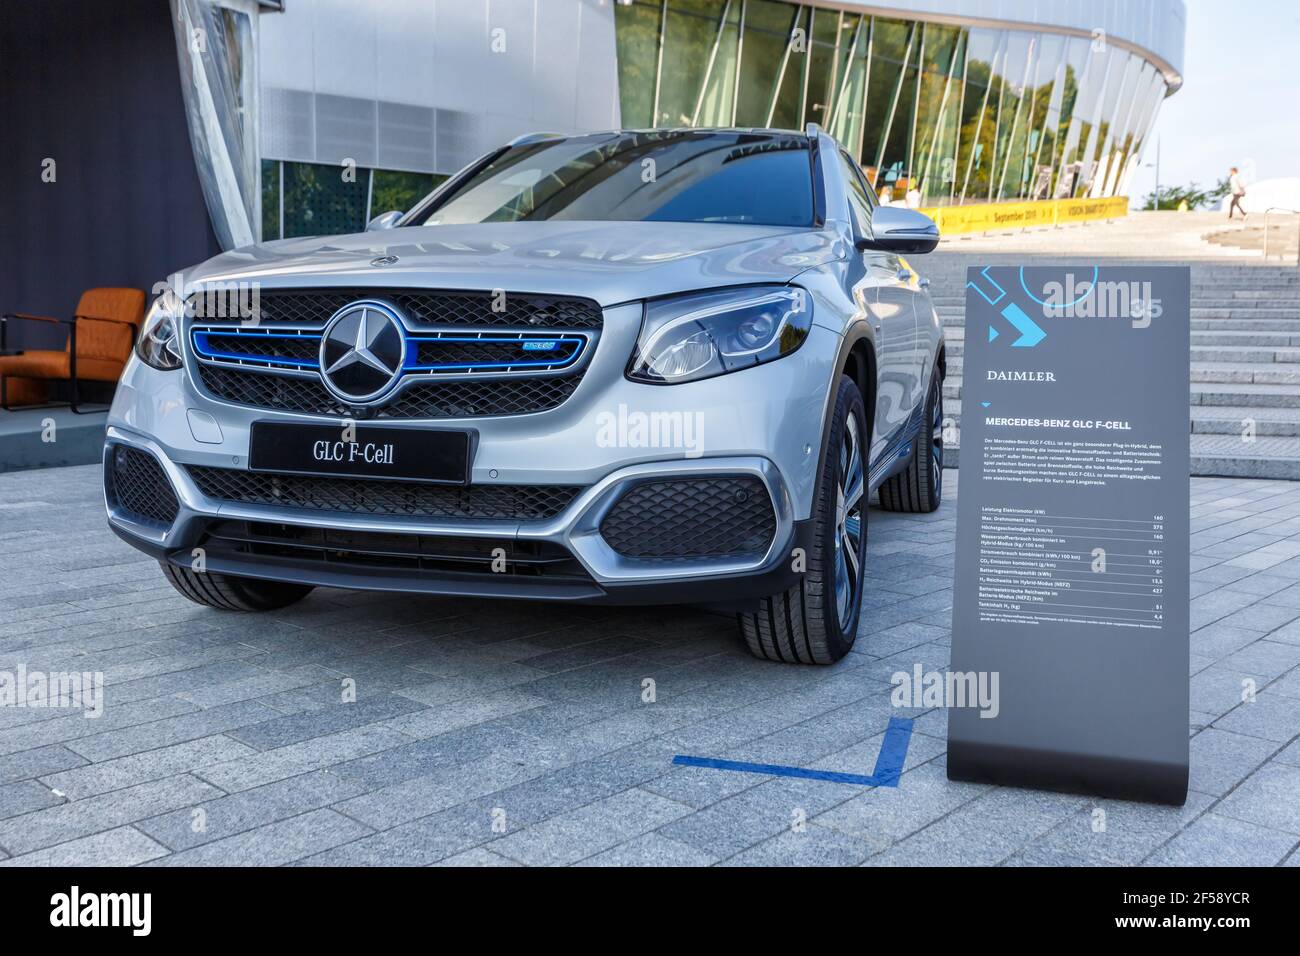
x: 623, y: 368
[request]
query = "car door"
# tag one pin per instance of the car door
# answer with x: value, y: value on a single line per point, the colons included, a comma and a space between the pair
x: 893, y: 317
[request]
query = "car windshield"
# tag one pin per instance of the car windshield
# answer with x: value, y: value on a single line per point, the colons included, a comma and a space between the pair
x: 658, y: 175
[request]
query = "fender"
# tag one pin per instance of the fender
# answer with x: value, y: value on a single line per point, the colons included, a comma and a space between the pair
x: 858, y: 332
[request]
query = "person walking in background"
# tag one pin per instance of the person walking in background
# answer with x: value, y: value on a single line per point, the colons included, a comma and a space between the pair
x: 1238, y: 190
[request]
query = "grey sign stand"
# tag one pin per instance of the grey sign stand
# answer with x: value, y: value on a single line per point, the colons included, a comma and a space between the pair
x: 1072, y: 530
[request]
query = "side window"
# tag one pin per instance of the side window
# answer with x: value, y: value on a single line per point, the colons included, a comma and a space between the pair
x: 861, y: 200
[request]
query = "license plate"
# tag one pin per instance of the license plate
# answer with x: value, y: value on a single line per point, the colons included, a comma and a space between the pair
x: 409, y: 454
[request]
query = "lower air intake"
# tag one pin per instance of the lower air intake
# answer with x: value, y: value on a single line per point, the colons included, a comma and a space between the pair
x: 136, y: 484
x: 363, y: 496
x: 692, y: 519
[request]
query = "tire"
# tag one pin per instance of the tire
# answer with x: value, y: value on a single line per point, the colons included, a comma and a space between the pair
x: 815, y: 622
x: 919, y: 488
x: 229, y: 593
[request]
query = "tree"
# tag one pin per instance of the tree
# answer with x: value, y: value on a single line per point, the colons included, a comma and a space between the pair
x: 1219, y: 191
x: 1171, y: 197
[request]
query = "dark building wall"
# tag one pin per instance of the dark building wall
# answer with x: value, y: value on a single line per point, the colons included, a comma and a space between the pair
x: 93, y: 85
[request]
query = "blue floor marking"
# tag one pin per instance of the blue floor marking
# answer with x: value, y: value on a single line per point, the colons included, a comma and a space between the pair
x: 889, y: 762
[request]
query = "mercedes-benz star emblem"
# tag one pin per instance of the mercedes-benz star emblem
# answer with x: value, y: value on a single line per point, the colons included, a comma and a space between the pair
x: 362, y: 352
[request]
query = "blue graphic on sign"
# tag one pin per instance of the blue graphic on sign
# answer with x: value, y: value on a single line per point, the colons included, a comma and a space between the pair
x: 1030, y: 333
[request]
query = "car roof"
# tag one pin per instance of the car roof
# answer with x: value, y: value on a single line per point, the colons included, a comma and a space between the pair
x: 702, y: 130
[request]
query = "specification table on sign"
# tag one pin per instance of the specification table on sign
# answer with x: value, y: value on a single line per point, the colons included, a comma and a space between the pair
x: 1036, y: 567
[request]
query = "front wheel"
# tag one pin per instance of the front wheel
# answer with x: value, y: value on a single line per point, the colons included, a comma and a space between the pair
x: 227, y: 592
x: 816, y: 621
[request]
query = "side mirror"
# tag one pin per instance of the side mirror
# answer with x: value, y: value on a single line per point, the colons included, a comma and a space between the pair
x: 894, y: 229
x: 386, y: 220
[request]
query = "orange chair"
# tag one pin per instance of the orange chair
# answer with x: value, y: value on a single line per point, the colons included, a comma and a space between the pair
x: 100, y: 338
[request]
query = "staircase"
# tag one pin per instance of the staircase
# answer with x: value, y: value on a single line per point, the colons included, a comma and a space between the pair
x: 1245, y: 358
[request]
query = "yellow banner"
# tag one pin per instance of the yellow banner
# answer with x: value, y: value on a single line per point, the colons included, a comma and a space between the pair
x: 990, y: 217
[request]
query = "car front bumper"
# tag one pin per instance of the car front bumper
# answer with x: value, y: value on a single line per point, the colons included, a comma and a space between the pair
x: 764, y: 423
x: 606, y: 576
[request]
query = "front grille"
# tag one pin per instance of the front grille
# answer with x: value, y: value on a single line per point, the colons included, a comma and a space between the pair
x: 692, y: 519
x: 265, y: 390
x: 534, y: 368
x: 136, y: 483
x: 344, y: 550
x: 458, y: 398
x: 422, y: 307
x: 377, y: 497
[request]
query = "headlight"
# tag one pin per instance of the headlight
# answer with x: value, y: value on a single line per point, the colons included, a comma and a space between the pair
x: 159, y: 345
x: 699, y: 336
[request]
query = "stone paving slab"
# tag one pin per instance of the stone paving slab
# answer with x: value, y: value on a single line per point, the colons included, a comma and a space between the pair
x: 498, y: 734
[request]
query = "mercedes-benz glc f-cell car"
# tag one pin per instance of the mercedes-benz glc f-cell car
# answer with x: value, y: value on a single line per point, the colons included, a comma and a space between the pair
x: 635, y: 367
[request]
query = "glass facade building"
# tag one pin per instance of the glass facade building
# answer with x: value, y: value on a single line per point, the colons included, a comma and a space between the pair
x: 328, y: 112
x: 946, y: 112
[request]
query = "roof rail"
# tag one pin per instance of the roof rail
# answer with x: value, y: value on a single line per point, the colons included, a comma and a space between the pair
x: 812, y: 130
x: 528, y: 138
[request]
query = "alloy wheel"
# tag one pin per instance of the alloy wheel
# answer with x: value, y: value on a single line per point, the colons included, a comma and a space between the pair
x: 850, y: 497
x: 936, y: 435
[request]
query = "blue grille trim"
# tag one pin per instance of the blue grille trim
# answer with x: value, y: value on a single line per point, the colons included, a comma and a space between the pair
x: 203, y: 349
x: 569, y: 346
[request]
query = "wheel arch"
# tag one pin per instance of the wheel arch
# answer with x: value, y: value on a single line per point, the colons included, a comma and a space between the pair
x: 856, y: 359
x: 860, y: 365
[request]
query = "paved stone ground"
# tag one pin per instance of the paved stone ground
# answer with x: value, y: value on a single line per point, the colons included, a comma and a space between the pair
x: 224, y: 739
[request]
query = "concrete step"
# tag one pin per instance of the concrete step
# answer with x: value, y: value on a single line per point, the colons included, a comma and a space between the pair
x: 1242, y: 355
x: 1245, y: 373
x: 1236, y: 396
x: 1277, y: 458
x: 1227, y: 420
x: 1247, y: 339
x: 24, y: 435
x: 1245, y: 325
x: 1202, y: 311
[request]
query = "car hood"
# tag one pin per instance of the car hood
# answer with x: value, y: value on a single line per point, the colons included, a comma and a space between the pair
x: 610, y: 262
